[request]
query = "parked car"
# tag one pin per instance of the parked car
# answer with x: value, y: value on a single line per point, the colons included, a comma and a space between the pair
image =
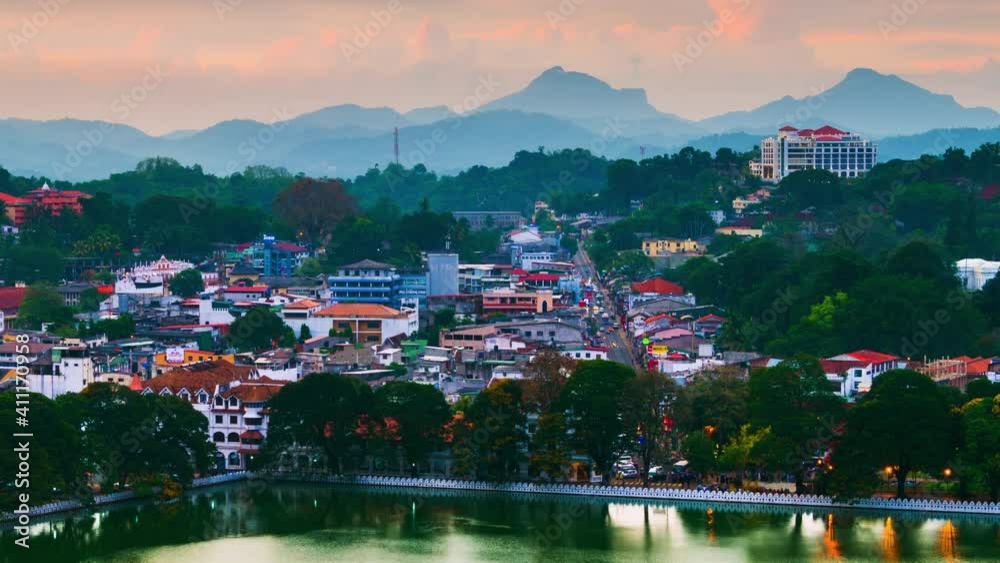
x: 629, y: 473
x: 656, y: 473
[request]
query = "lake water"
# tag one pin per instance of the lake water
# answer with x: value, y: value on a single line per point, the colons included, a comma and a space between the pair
x: 260, y: 523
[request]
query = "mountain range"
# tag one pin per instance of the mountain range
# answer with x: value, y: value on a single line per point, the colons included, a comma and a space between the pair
x: 558, y: 109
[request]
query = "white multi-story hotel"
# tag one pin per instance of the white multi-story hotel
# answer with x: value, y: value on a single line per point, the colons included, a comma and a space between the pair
x: 826, y: 148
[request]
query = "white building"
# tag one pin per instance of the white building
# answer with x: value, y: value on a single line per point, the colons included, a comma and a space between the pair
x: 855, y: 372
x: 976, y: 272
x: 587, y: 353
x: 827, y: 148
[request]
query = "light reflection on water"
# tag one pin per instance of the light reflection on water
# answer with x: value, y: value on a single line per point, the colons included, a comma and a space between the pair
x: 282, y: 522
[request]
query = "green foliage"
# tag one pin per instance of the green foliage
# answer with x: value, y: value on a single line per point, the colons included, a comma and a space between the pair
x: 54, y: 448
x: 592, y: 401
x: 699, y: 451
x: 420, y: 412
x: 187, y: 283
x: 548, y: 453
x: 322, y: 410
x: 647, y: 400
x: 42, y: 304
x: 30, y: 264
x: 496, y: 435
x: 884, y: 430
x: 90, y: 300
x: 981, y: 443
x: 717, y: 401
x: 258, y: 328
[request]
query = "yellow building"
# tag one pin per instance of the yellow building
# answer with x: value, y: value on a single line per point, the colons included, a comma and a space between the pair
x: 180, y: 357
x: 667, y: 246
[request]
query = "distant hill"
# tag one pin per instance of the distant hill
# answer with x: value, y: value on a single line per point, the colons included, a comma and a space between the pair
x: 558, y: 109
x: 593, y: 104
x: 864, y: 101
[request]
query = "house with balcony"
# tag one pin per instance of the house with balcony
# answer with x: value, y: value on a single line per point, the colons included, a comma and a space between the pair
x: 366, y: 281
x: 853, y: 373
x: 231, y: 397
x: 367, y: 323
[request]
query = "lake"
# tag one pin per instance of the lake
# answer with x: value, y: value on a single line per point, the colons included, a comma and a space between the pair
x: 258, y: 523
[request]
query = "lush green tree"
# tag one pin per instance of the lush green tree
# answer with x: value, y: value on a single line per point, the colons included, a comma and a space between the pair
x: 322, y: 410
x: 419, y: 412
x: 981, y: 442
x: 54, y: 447
x: 632, y: 265
x: 716, y: 402
x: 592, y: 401
x: 31, y: 264
x: 545, y: 377
x: 42, y: 304
x: 812, y: 188
x: 128, y: 437
x: 699, y: 451
x: 258, y: 328
x: 497, y: 434
x: 740, y: 453
x: 548, y: 453
x: 982, y: 389
x: 90, y: 300
x: 314, y: 207
x: 795, y: 401
x: 647, y: 406
x: 884, y: 431
x: 187, y: 283
x: 305, y: 333
x: 921, y: 259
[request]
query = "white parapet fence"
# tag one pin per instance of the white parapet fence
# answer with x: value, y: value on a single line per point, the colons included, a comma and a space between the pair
x: 662, y: 493
x: 606, y: 491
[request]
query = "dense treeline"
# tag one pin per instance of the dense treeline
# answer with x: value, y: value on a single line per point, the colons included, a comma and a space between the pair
x: 780, y: 422
x: 101, y: 439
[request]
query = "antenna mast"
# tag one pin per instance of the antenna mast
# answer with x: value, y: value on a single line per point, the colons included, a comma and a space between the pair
x: 395, y: 143
x: 642, y: 152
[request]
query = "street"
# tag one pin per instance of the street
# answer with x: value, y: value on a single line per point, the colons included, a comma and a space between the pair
x: 617, y: 341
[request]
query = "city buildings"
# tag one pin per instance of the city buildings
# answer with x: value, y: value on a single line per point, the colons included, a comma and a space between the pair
x: 827, y: 148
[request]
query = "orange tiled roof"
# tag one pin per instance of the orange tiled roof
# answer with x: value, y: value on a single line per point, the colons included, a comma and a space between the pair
x: 253, y: 391
x: 304, y: 304
x: 195, y: 377
x: 359, y: 310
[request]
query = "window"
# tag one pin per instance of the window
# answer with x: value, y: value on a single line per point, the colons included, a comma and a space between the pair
x: 374, y: 324
x: 219, y: 402
x: 233, y: 437
x: 234, y: 459
x: 203, y: 398
x: 218, y: 437
x: 233, y: 401
x: 218, y: 419
x: 233, y: 419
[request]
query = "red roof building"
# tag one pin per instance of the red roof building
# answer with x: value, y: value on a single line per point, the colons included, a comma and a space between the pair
x: 49, y: 200
x: 658, y: 286
x: 11, y: 298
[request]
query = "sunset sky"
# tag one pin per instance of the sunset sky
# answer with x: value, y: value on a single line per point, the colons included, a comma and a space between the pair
x: 225, y: 59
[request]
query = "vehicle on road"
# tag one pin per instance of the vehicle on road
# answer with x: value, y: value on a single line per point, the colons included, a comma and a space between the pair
x: 657, y: 473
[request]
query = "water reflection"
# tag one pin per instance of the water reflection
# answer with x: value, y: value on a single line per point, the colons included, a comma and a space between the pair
x: 280, y: 522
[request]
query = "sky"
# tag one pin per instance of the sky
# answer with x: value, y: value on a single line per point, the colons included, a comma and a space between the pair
x: 172, y: 65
